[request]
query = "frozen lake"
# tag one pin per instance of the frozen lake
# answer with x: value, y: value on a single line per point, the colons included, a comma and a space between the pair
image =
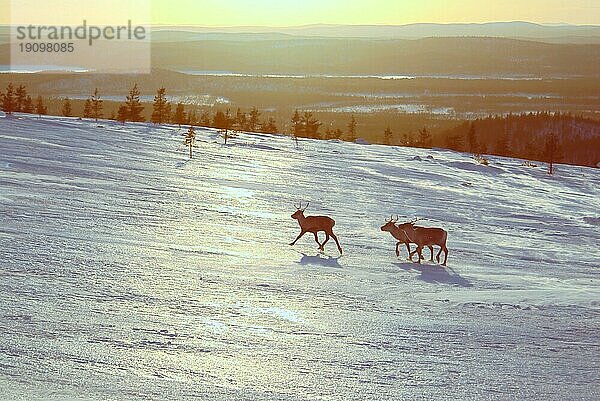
x: 130, y: 273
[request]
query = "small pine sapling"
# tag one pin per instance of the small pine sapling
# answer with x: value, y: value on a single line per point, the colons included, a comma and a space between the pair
x: 190, y: 140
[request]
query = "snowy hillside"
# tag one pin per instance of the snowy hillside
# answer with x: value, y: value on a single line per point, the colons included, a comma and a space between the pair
x: 128, y: 272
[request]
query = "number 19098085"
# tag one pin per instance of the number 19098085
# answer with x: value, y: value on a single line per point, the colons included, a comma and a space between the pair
x: 46, y: 47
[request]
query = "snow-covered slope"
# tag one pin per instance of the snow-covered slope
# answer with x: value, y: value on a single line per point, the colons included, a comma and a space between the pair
x: 129, y: 272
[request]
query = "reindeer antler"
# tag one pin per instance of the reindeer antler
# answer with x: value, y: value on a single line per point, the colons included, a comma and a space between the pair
x: 300, y: 207
x: 392, y: 219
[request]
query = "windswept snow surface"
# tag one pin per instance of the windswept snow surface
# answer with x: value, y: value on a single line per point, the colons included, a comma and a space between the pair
x: 130, y: 273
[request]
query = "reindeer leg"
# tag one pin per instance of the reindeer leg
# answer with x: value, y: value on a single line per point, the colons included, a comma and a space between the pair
x: 419, y: 254
x: 298, y: 237
x: 445, y: 256
x: 326, y: 240
x: 431, y: 249
x: 336, y: 242
x: 408, y: 250
x: 317, y: 241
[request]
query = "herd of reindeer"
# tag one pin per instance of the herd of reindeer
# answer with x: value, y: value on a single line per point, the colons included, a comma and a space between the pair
x: 405, y: 233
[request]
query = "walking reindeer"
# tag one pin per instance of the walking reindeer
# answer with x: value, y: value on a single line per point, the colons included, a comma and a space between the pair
x: 391, y: 227
x: 315, y: 224
x: 424, y: 236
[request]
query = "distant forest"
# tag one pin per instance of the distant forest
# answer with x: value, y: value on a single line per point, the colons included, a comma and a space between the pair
x: 532, y: 136
x: 543, y: 136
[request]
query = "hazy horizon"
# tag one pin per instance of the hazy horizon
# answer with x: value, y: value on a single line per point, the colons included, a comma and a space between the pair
x: 549, y: 24
x: 499, y: 22
x: 271, y: 13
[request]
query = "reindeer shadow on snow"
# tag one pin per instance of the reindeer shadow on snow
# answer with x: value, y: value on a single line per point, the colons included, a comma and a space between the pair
x: 434, y: 275
x: 319, y: 260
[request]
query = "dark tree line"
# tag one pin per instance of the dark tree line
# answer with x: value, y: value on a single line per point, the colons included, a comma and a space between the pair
x: 544, y: 136
x: 306, y: 125
x: 422, y: 139
x: 548, y: 137
x: 227, y: 121
x: 17, y: 100
x: 303, y: 125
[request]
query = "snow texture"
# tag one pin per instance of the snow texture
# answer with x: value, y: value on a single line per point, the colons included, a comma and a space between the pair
x: 128, y: 272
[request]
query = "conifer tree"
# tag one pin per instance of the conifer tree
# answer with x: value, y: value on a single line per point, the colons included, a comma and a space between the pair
x: 425, y: 140
x: 352, y: 129
x: 87, y: 109
x: 179, y: 116
x: 331, y: 133
x: 269, y: 126
x: 310, y: 125
x: 408, y: 139
x: 134, y: 106
x: 66, y: 109
x: 220, y: 120
x: 161, y: 108
x: 168, y: 112
x: 240, y: 120
x: 551, y: 152
x: 8, y: 99
x: 192, y: 119
x: 387, y: 136
x: 28, y: 105
x: 226, y: 124
x: 297, y: 130
x: 190, y: 139
x: 20, y: 98
x: 472, y: 139
x: 205, y: 119
x: 122, y: 114
x: 253, y: 119
x: 96, y: 106
x: 40, y: 109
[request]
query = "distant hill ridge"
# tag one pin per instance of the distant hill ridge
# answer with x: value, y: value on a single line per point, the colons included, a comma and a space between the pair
x: 554, y: 33
x: 561, y: 33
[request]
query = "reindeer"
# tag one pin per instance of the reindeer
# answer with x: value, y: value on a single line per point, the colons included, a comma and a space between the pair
x: 315, y: 224
x: 425, y: 237
x: 400, y: 235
